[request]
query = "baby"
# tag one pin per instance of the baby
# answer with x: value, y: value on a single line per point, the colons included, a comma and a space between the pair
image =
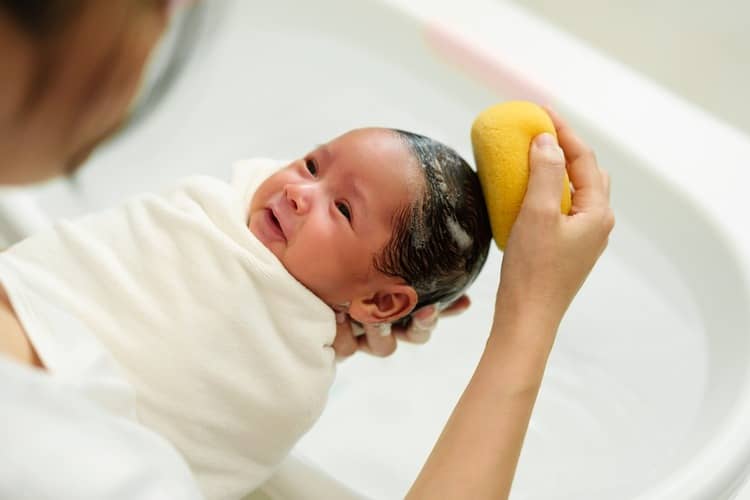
x: 208, y: 314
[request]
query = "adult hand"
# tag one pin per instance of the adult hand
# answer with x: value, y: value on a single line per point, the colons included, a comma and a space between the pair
x: 383, y: 342
x: 547, y: 258
x: 549, y: 254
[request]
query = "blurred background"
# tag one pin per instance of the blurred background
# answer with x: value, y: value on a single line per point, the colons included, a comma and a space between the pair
x: 697, y: 50
x: 700, y: 50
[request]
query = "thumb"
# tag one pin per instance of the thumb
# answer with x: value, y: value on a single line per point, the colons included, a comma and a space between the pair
x: 546, y: 173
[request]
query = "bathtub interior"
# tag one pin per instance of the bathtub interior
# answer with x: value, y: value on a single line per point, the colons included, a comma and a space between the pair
x: 696, y: 49
x: 646, y: 366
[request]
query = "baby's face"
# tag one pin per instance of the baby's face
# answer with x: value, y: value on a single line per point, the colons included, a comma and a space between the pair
x: 327, y: 215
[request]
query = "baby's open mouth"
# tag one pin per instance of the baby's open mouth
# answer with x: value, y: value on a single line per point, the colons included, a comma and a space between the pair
x: 275, y: 220
x: 275, y: 224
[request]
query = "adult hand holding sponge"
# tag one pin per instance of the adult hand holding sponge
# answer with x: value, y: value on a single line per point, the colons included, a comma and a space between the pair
x: 501, y: 137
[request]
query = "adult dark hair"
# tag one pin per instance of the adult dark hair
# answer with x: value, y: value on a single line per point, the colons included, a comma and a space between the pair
x: 441, y: 241
x: 41, y: 18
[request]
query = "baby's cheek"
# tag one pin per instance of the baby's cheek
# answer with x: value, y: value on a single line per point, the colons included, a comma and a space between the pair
x: 316, y: 269
x: 262, y: 194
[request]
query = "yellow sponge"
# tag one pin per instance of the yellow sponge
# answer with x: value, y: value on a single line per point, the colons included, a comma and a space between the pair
x: 501, y: 137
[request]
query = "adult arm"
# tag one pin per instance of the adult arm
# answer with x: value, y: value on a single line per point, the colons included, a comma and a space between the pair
x: 547, y: 258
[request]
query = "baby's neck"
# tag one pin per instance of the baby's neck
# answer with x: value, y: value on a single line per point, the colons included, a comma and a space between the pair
x: 13, y: 339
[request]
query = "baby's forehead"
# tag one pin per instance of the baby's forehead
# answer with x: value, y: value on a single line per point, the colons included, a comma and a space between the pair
x: 370, y: 137
x: 374, y: 144
x: 381, y: 158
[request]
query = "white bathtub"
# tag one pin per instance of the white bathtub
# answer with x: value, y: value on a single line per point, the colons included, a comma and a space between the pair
x: 646, y: 394
x: 697, y: 49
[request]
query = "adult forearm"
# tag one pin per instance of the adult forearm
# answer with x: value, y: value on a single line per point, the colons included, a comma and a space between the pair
x: 476, y: 455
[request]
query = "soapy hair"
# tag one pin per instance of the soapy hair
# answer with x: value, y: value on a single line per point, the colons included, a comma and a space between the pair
x: 441, y: 240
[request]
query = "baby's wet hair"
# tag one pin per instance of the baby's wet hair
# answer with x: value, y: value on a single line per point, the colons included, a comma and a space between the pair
x: 440, y: 241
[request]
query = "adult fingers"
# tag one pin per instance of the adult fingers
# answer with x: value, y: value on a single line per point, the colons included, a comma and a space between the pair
x: 377, y: 340
x: 582, y: 165
x: 381, y: 340
x: 457, y: 307
x: 422, y: 324
x: 344, y: 344
x: 546, y: 175
x: 413, y: 336
x: 573, y: 146
x: 424, y: 319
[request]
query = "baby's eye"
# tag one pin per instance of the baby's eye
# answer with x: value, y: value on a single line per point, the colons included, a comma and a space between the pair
x: 311, y: 167
x: 344, y: 209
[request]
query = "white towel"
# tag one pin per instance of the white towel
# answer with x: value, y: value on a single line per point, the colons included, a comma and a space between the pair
x: 229, y: 355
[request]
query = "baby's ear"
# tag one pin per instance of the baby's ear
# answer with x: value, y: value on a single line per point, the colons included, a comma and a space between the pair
x: 385, y: 306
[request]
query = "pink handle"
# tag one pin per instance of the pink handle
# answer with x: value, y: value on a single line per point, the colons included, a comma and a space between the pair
x: 485, y: 65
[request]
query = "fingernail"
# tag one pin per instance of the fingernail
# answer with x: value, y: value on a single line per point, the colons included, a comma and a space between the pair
x: 548, y: 144
x: 545, y: 140
x: 419, y: 336
x: 426, y: 323
x: 340, y: 317
x: 357, y: 329
x: 384, y: 329
x: 426, y: 312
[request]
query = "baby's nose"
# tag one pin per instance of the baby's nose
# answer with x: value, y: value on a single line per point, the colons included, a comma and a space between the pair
x: 299, y: 197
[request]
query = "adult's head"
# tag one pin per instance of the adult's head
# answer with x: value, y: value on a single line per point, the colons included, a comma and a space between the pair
x: 72, y: 68
x: 380, y: 220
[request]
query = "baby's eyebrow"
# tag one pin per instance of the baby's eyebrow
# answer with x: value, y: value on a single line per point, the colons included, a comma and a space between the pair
x: 359, y: 194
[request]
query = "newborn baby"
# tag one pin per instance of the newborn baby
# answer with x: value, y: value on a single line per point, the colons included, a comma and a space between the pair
x: 208, y: 314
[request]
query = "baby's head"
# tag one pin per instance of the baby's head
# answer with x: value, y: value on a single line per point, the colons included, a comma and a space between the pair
x: 377, y: 221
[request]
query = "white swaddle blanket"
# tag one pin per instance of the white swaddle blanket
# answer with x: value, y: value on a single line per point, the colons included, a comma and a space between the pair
x: 229, y: 355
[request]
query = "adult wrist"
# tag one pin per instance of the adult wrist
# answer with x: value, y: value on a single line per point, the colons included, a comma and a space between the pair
x: 518, y: 310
